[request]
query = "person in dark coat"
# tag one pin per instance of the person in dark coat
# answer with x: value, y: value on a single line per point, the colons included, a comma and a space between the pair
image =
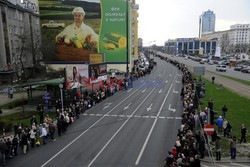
x: 243, y: 133
x: 33, y: 120
x: 202, y: 147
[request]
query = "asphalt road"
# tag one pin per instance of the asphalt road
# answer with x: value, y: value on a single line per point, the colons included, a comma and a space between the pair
x: 211, y: 68
x: 132, y: 128
x: 225, y: 164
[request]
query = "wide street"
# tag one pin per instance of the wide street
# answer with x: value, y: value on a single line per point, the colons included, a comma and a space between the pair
x: 136, y: 127
x: 210, y: 68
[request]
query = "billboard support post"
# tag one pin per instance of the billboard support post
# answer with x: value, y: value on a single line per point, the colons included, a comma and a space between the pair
x: 127, y: 53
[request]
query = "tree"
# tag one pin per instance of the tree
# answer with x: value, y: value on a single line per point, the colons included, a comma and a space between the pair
x: 225, y: 43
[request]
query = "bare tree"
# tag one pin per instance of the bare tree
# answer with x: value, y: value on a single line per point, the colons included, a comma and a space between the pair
x: 225, y: 43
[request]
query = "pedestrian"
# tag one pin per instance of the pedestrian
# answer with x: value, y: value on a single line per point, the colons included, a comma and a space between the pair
x: 52, y: 129
x: 220, y: 123
x: 233, y: 148
x: 211, y: 104
x: 33, y: 120
x: 225, y: 127
x: 218, y: 149
x: 11, y: 92
x: 44, y: 134
x: 243, y: 134
x: 41, y: 114
x: 213, y: 78
x: 224, y: 110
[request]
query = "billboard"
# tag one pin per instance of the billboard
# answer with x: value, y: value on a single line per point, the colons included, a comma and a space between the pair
x: 72, y: 30
x: 97, y: 72
x: 76, y: 76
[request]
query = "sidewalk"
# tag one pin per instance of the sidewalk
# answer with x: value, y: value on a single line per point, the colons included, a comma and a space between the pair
x: 227, y: 160
x: 17, y: 95
x: 235, y: 86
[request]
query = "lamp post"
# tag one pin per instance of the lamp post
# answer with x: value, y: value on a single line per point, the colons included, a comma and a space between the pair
x: 61, y: 90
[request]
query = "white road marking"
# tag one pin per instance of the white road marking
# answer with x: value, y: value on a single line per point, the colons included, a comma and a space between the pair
x: 153, y: 117
x: 171, y: 109
x: 160, y: 91
x: 87, y: 130
x: 129, y: 90
x: 177, y: 81
x: 170, y: 75
x: 127, y: 107
x: 121, y: 115
x: 152, y: 128
x: 178, y: 117
x: 236, y: 164
x: 136, y: 116
x: 202, y: 165
x: 113, y: 115
x: 161, y: 117
x: 220, y: 165
x: 149, y: 108
x: 85, y: 114
x: 145, y: 116
x: 170, y: 117
x: 120, y: 128
x: 174, y: 91
x: 99, y: 115
x: 166, y: 81
x: 91, y: 114
x: 144, y: 91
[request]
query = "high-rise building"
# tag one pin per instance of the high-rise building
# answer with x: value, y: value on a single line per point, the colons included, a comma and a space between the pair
x: 206, y: 23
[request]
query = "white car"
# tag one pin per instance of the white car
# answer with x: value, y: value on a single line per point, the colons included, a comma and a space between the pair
x: 221, y: 68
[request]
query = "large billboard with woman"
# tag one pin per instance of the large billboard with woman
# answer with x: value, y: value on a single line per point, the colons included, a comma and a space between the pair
x: 71, y: 30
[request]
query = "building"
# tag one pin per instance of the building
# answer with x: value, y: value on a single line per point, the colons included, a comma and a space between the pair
x: 236, y: 39
x: 20, y: 40
x: 206, y: 23
x: 140, y: 44
x: 190, y: 46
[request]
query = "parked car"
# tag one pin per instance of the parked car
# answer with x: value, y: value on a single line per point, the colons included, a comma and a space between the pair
x: 238, y: 68
x: 245, y: 70
x: 221, y: 68
x: 210, y: 62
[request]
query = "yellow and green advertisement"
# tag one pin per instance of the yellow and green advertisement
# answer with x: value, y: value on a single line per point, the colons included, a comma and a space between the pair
x: 73, y: 30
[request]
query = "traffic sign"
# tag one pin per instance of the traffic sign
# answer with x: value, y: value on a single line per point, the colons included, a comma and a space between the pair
x: 209, y: 129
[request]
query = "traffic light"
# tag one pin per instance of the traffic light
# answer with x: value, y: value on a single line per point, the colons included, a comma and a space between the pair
x: 212, y: 116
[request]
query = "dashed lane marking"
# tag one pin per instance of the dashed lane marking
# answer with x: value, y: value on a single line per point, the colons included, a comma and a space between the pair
x: 134, y: 116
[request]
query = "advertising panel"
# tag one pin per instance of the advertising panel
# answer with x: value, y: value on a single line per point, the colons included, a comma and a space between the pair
x: 97, y: 72
x: 76, y: 76
x: 96, y: 58
x: 71, y: 30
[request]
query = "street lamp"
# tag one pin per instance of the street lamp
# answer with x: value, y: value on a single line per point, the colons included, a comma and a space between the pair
x: 61, y: 90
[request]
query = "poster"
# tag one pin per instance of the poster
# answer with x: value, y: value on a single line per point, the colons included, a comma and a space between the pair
x: 76, y: 76
x: 97, y: 72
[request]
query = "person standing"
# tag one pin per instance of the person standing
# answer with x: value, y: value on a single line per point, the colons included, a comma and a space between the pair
x: 44, y: 134
x: 11, y: 92
x: 224, y: 110
x: 233, y: 148
x: 220, y: 123
x: 218, y: 149
x: 243, y: 134
x: 213, y: 78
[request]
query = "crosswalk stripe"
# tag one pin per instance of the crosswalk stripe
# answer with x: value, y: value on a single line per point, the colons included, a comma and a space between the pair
x: 162, y: 117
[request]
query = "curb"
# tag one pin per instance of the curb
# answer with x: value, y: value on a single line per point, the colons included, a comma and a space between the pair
x: 227, y: 161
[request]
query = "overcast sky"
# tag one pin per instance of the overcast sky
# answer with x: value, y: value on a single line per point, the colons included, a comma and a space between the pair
x: 160, y: 20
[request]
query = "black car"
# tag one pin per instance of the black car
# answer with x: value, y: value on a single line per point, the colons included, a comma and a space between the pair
x: 246, y: 70
x: 239, y: 68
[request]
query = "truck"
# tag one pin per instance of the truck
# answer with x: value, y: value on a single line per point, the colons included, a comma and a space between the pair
x: 52, y: 24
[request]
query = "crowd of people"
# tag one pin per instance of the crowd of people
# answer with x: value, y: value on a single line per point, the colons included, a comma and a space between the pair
x: 189, y: 146
x: 41, y: 131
